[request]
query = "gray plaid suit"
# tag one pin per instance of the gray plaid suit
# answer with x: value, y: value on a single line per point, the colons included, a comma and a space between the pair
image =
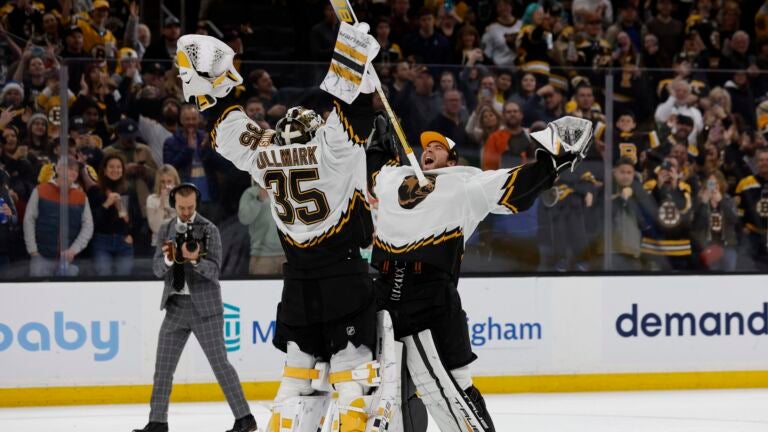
x: 200, y: 313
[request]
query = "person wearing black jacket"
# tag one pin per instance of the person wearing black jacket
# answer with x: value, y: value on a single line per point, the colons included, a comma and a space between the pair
x: 9, y: 222
x: 110, y: 203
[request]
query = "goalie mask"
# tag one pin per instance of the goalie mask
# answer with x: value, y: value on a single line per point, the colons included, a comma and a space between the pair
x: 206, y: 69
x: 298, y: 126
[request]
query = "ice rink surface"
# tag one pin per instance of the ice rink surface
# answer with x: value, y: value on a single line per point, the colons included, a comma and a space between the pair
x: 673, y: 411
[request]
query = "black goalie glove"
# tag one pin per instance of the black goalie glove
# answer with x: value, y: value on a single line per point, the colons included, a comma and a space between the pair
x: 566, y: 141
x: 383, y: 140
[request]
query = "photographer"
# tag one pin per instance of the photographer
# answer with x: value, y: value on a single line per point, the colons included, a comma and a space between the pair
x: 188, y: 258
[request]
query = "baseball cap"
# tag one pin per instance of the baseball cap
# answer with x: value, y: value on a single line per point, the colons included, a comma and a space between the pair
x: 72, y: 29
x: 684, y: 119
x: 127, y: 128
x: 171, y: 21
x: 77, y: 124
x: 428, y: 137
x: 98, y: 4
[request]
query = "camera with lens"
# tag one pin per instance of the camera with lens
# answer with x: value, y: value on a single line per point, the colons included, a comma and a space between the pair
x: 193, y: 235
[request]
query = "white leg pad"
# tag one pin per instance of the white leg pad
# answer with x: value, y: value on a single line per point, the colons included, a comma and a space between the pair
x: 446, y: 402
x: 299, y: 414
x: 386, y: 400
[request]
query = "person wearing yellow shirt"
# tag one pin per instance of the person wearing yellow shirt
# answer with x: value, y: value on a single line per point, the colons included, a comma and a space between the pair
x: 98, y: 41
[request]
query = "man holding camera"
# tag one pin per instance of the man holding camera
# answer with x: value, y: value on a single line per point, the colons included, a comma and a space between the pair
x: 188, y: 258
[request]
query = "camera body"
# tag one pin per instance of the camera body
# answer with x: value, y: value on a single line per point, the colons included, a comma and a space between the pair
x: 192, y: 234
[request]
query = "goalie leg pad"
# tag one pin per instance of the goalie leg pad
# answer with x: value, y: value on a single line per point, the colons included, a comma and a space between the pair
x: 299, y: 414
x: 446, y: 401
x: 385, y: 401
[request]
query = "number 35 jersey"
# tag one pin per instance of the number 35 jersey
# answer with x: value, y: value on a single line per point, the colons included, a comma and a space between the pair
x: 317, y: 189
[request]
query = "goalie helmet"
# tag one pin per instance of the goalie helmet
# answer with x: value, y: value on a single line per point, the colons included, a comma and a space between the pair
x: 206, y: 69
x: 298, y: 126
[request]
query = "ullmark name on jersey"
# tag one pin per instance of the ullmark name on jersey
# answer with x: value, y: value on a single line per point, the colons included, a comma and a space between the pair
x: 286, y: 157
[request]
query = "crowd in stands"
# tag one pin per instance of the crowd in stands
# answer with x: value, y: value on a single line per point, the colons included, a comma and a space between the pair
x: 684, y: 139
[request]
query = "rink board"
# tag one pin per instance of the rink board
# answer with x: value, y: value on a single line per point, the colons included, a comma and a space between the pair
x: 75, y: 343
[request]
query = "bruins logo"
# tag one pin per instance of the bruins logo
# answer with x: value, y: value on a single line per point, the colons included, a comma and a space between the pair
x: 762, y: 208
x: 410, y: 194
x: 716, y: 222
x: 669, y: 215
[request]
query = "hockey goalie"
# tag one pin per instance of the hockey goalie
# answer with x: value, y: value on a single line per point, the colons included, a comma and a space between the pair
x: 315, y: 171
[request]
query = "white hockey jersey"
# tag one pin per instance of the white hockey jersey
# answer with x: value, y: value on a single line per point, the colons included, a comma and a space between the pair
x: 413, y: 225
x: 317, y: 189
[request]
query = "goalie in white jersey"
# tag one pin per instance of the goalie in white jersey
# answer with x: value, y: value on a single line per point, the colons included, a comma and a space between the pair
x: 316, y: 173
x: 418, y: 247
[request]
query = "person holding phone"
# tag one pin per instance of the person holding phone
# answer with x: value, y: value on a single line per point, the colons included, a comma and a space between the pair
x: 714, y: 225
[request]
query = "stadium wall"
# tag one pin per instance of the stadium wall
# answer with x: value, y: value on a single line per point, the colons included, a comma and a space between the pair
x: 94, y: 342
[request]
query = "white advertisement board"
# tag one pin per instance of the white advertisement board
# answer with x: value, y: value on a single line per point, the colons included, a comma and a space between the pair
x: 80, y: 334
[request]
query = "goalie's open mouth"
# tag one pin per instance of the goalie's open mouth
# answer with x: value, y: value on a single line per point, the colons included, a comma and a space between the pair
x: 428, y: 160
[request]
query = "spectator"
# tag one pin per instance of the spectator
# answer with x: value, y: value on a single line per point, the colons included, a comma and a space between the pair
x: 490, y: 90
x: 254, y: 109
x: 14, y: 159
x: 680, y: 132
x: 37, y: 140
x: 112, y: 243
x: 482, y: 123
x: 155, y: 127
x: 449, y: 123
x: 255, y: 212
x: 468, y: 46
x: 535, y: 42
x: 164, y: 49
x: 24, y: 18
x: 586, y: 107
x: 594, y: 51
x: 261, y: 86
x: 632, y: 209
x: 42, y: 225
x: 668, y: 31
x: 140, y: 165
x: 9, y: 222
x: 131, y: 37
x: 526, y: 90
x: 583, y: 9
x: 714, y: 225
x: 630, y: 144
x: 510, y: 146
x: 322, y: 36
x: 499, y: 37
x: 159, y: 208
x: 417, y: 103
x: 547, y: 105
x: 680, y: 102
x: 400, y: 23
x: 742, y: 97
x: 667, y: 243
x: 447, y: 23
x: 98, y: 41
x: 425, y: 44
x: 752, y: 198
x: 389, y: 52
x: 127, y: 73
x: 73, y: 49
x: 628, y: 23
x: 194, y: 161
x: 31, y: 74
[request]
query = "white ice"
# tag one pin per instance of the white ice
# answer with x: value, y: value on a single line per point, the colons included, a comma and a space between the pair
x: 673, y: 411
